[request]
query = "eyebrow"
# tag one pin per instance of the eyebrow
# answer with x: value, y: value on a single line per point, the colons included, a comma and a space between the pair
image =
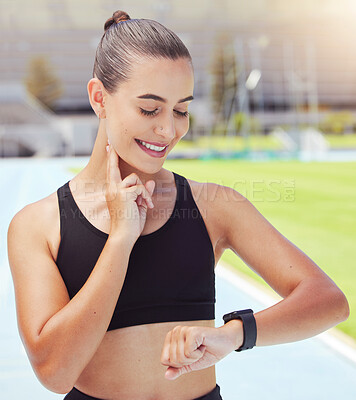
x: 159, y: 98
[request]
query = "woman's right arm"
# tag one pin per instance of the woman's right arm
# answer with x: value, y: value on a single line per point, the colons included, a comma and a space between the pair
x: 60, y: 334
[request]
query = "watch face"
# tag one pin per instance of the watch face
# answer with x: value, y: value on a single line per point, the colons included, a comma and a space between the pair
x: 227, y: 317
x: 240, y: 312
x: 236, y: 314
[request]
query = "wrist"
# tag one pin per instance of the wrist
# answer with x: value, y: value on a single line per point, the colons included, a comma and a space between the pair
x: 249, y: 327
x: 235, y: 333
x: 120, y: 242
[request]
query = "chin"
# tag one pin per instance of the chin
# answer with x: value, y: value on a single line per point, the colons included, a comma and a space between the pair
x: 147, y: 168
x: 151, y: 169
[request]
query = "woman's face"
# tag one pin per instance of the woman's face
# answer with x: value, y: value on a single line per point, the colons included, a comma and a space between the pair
x: 151, y: 107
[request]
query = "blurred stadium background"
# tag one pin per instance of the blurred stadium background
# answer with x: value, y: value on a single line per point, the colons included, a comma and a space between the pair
x: 273, y: 78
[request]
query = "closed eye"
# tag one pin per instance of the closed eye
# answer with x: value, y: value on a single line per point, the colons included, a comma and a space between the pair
x: 154, y: 112
x: 149, y: 113
x: 182, y: 114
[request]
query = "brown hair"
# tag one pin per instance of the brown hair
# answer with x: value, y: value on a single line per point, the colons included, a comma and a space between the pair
x: 125, y: 41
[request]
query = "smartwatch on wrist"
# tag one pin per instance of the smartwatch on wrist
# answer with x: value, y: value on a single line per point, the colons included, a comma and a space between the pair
x: 249, y: 327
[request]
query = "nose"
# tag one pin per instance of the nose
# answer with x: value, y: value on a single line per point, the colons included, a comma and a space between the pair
x: 166, y: 128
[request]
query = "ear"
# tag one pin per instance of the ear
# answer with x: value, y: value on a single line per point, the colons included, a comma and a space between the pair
x: 97, y: 95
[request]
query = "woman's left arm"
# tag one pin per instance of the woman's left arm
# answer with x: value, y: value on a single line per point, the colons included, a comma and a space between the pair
x: 312, y: 303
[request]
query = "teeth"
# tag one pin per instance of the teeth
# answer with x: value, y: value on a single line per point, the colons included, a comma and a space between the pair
x: 151, y: 146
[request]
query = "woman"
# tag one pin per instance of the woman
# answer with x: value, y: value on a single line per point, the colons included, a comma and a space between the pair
x: 114, y: 273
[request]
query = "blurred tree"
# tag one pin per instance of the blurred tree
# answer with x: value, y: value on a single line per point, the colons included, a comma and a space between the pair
x: 240, y: 119
x: 338, y: 122
x: 224, y: 79
x: 42, y: 82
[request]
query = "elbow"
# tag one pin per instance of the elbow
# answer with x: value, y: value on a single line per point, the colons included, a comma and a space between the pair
x: 344, y: 307
x: 52, y: 368
x: 54, y: 365
x: 53, y: 378
x: 340, y: 305
x: 331, y: 303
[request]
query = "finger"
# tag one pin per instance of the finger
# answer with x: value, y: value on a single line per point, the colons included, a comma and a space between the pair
x: 165, y: 349
x: 181, y: 357
x: 193, y: 344
x: 113, y: 170
x: 150, y: 186
x: 173, y: 348
x: 131, y: 180
x: 140, y: 190
x: 111, y: 188
x: 139, y: 200
x: 197, y: 354
x: 174, y: 373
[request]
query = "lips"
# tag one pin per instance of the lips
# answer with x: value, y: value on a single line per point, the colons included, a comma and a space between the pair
x: 154, y: 143
x: 152, y: 153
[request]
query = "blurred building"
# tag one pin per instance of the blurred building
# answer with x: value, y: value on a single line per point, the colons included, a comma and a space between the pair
x: 303, y: 49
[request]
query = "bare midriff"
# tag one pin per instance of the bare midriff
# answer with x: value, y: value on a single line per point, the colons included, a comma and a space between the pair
x: 127, y: 366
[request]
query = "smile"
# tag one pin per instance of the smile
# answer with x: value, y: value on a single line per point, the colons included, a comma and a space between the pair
x: 151, y: 146
x: 152, y: 149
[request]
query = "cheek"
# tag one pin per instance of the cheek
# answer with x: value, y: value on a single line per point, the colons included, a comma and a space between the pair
x: 182, y: 127
x: 118, y: 134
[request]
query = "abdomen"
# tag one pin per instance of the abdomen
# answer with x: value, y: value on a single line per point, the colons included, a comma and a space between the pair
x: 127, y: 366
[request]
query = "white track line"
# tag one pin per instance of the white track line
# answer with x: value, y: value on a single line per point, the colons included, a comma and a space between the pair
x: 338, y: 341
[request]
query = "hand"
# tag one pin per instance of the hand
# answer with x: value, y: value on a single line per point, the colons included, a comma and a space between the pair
x: 191, y: 348
x: 127, y: 200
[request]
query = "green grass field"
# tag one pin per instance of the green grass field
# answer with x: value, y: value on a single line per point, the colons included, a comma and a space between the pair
x: 257, y: 142
x: 236, y: 143
x: 312, y: 204
x: 341, y: 141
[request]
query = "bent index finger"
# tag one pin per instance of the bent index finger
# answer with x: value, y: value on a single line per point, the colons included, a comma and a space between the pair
x: 113, y: 172
x: 193, y: 343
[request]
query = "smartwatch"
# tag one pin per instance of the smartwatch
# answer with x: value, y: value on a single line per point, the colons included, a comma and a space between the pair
x: 249, y: 327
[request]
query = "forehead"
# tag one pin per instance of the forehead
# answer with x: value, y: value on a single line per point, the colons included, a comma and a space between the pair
x: 171, y: 79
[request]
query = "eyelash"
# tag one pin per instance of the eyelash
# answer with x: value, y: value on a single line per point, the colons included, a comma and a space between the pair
x: 152, y: 113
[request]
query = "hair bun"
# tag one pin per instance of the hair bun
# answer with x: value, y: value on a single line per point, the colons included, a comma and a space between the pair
x: 117, y: 17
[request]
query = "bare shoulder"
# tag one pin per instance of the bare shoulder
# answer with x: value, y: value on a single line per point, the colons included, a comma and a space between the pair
x: 39, y: 219
x: 216, y: 198
x: 215, y: 202
x: 37, y: 215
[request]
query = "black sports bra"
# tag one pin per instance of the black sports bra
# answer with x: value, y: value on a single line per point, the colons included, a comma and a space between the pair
x: 170, y: 275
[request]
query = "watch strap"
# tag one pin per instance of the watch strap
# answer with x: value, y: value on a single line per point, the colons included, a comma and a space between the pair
x: 249, y: 327
x: 250, y: 331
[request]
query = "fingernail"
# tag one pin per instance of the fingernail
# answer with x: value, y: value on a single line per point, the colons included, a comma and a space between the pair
x: 107, y: 148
